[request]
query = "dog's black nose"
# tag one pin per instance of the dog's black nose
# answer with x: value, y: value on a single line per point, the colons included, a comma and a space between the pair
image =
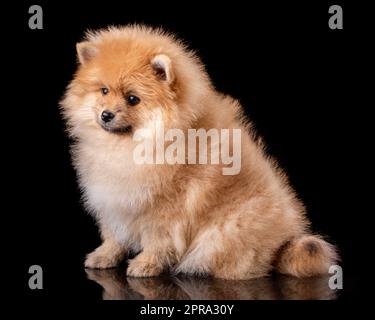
x: 107, y: 116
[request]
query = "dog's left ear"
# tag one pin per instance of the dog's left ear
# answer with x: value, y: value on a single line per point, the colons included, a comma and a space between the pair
x: 162, y: 66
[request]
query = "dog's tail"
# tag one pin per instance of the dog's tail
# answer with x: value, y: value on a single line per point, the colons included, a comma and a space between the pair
x: 306, y: 256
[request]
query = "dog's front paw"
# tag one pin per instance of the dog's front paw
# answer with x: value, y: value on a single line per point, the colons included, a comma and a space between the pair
x: 143, y: 267
x: 105, y: 257
x: 96, y: 260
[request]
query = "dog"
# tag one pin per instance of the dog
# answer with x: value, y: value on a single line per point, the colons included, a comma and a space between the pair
x: 185, y: 218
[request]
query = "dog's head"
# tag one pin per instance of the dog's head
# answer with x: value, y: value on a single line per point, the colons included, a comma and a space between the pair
x: 130, y: 78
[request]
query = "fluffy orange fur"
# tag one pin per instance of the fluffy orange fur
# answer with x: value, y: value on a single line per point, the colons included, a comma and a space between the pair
x: 186, y: 218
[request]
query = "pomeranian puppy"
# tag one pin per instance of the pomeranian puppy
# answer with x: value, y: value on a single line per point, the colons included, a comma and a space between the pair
x: 186, y: 218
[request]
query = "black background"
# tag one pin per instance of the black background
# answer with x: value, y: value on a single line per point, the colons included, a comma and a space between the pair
x: 301, y: 83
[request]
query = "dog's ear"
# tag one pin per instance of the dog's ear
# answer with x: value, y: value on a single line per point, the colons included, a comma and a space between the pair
x: 162, y: 66
x: 85, y: 51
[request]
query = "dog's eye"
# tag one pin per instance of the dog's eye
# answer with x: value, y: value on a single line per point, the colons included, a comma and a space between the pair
x: 132, y: 100
x: 104, y: 90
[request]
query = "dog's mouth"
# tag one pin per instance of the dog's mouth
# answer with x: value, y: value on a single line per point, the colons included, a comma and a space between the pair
x: 118, y: 130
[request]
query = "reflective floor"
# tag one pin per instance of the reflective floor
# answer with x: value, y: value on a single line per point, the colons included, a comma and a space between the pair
x: 117, y: 286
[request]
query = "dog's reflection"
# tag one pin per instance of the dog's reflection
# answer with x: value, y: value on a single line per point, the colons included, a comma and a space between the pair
x: 116, y: 286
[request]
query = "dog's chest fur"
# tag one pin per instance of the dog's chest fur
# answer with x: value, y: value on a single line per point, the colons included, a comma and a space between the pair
x: 115, y: 190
